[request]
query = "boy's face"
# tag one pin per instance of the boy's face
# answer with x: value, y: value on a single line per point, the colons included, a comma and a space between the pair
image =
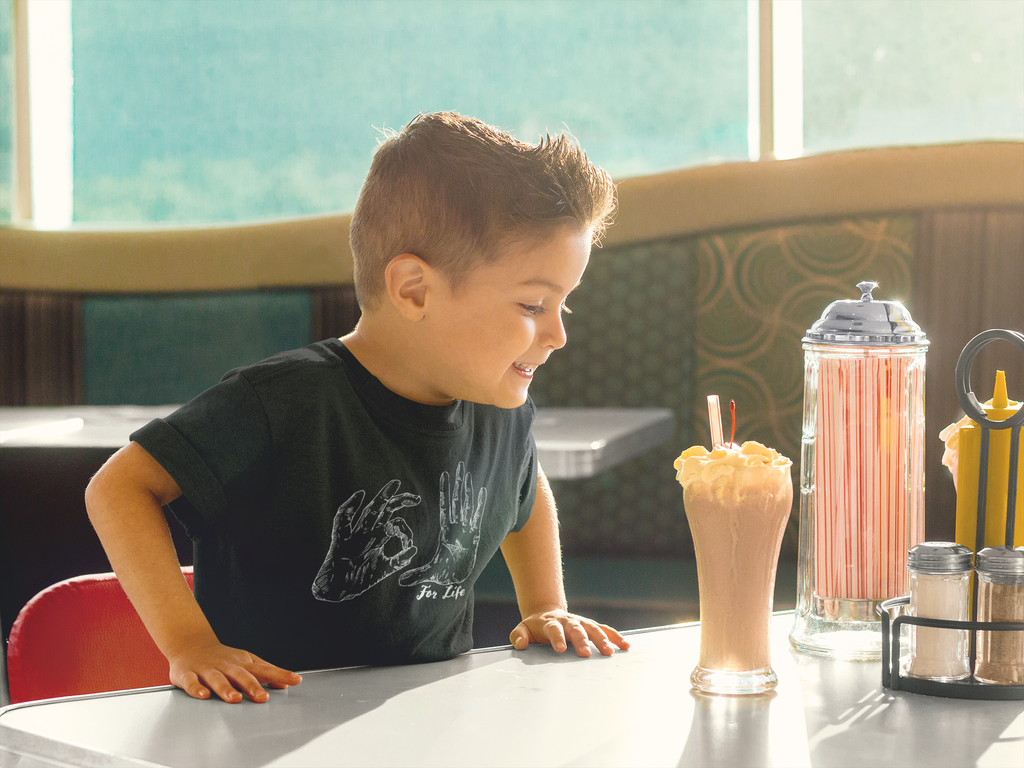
x: 491, y: 334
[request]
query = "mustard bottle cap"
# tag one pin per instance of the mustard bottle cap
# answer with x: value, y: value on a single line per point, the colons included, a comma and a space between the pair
x: 1000, y: 407
x: 1001, y: 414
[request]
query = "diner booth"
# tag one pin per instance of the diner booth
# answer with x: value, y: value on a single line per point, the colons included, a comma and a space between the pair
x: 704, y: 284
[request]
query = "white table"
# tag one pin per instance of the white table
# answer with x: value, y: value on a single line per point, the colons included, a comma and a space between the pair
x: 499, y: 707
x: 571, y: 442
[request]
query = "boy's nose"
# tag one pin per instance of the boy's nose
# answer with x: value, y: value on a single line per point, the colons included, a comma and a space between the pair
x: 555, y: 336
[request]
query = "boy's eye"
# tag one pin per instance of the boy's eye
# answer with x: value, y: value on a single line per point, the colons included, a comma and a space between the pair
x: 537, y: 309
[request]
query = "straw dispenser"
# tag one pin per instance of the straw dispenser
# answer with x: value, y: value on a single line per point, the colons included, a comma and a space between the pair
x: 861, y: 472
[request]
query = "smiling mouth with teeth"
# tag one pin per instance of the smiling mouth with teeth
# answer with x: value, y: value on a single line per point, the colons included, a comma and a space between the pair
x: 526, y: 370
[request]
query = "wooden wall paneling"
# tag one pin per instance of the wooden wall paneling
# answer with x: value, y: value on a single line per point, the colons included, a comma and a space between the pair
x: 335, y: 311
x: 53, y: 351
x: 12, y: 348
x: 40, y: 348
x: 969, y: 277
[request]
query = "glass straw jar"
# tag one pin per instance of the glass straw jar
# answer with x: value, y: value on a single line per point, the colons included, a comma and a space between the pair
x: 861, y: 472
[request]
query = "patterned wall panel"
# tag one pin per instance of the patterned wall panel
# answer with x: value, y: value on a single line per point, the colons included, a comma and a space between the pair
x: 759, y: 291
x: 669, y: 322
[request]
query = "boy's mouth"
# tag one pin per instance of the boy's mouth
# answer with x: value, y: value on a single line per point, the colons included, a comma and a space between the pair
x: 524, y: 369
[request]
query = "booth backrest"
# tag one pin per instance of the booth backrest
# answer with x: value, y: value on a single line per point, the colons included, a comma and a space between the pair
x: 79, y: 636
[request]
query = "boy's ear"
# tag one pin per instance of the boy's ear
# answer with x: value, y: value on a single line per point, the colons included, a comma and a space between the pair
x: 406, y: 279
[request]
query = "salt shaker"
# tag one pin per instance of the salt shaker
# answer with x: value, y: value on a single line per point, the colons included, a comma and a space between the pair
x: 940, y: 574
x: 861, y: 472
x: 1000, y: 656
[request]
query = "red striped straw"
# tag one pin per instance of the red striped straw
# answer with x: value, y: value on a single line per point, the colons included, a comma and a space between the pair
x: 715, y: 420
x: 865, y: 520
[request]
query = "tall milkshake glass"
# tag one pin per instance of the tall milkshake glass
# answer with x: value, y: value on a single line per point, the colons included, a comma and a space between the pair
x: 737, y: 502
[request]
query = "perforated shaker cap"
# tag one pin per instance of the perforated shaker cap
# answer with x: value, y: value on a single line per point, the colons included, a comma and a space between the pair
x: 866, y: 322
x: 939, y: 557
x: 1002, y: 560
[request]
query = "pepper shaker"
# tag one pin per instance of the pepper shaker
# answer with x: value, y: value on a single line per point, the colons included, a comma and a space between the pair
x: 1000, y: 655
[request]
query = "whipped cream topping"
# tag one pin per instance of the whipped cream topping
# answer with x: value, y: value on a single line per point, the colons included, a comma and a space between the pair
x: 698, y: 464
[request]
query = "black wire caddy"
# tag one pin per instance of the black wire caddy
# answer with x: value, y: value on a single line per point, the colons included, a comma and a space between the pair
x: 968, y: 688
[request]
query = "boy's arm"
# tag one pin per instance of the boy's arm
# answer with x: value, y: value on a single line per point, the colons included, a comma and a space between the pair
x: 534, y: 558
x: 125, y: 502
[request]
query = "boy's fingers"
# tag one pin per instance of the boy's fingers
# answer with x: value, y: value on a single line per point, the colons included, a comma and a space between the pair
x: 230, y: 678
x: 579, y: 637
x: 561, y: 629
x: 221, y: 686
x: 615, y: 637
x: 275, y: 677
x: 556, y: 635
x: 241, y: 680
x: 252, y: 688
x: 605, y: 638
x: 280, y: 686
x: 596, y: 635
x: 190, y: 684
x: 520, y: 637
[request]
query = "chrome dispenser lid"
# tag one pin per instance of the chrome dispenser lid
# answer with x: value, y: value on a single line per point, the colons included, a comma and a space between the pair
x: 1002, y: 560
x: 867, y: 322
x: 939, y: 557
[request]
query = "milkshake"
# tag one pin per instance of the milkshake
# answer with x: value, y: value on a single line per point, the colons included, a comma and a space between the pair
x: 737, y: 500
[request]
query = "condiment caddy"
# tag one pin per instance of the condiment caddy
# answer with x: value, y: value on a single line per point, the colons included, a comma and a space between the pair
x: 942, y: 581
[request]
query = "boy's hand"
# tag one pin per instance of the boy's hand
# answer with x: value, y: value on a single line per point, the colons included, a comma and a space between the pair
x: 559, y: 627
x: 228, y: 673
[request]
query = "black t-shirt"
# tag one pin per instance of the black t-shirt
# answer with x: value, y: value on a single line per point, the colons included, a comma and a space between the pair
x: 335, y: 522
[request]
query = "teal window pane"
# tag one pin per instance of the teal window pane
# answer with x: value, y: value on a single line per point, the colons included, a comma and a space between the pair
x: 155, y: 350
x: 6, y: 110
x: 213, y: 111
x: 891, y: 72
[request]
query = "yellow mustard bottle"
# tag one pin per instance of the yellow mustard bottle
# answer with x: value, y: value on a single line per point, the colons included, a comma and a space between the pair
x: 999, y: 408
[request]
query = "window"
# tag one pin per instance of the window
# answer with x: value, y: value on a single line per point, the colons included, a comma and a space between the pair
x: 242, y: 110
x: 249, y: 109
x: 883, y: 72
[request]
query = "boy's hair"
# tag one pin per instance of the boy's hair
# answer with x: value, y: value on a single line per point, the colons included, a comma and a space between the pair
x: 457, y: 193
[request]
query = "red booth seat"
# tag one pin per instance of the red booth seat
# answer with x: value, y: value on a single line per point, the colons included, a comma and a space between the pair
x: 82, y: 635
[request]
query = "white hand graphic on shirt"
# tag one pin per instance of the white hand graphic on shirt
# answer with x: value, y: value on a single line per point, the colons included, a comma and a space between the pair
x: 366, y: 532
x: 460, y: 534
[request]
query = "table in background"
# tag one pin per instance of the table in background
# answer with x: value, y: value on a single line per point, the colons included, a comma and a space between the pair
x: 571, y: 442
x: 502, y: 707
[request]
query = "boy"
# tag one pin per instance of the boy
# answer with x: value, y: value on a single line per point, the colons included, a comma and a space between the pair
x: 343, y: 498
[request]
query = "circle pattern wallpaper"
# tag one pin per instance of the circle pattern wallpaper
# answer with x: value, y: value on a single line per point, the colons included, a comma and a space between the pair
x: 666, y: 323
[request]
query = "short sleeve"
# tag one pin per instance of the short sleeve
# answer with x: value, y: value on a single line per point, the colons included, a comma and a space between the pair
x: 216, y: 447
x: 527, y: 486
